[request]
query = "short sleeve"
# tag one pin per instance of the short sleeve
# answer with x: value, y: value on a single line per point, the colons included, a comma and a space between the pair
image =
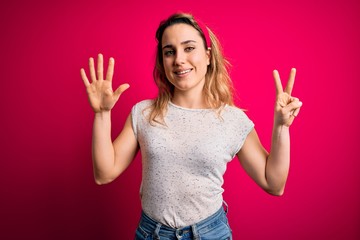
x: 134, y: 119
x: 243, y: 128
x: 139, y: 120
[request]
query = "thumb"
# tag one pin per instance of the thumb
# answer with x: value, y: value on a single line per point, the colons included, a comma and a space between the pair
x: 295, y: 104
x: 121, y: 89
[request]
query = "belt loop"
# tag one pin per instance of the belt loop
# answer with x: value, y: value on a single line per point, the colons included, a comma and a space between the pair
x: 157, y: 231
x: 226, y: 207
x: 194, y: 232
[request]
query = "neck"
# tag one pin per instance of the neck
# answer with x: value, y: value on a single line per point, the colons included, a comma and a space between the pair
x: 187, y: 100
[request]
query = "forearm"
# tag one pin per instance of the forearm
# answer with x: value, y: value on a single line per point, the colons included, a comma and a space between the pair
x: 102, y: 146
x: 278, y: 162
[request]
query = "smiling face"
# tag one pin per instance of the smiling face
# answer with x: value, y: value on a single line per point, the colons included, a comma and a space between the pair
x: 185, y: 58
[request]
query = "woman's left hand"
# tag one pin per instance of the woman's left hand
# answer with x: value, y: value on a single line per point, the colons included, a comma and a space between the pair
x: 287, y: 107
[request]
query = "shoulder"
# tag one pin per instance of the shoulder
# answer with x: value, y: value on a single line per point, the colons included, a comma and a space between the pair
x: 144, y: 103
x: 233, y: 111
x: 139, y: 114
x: 142, y: 109
x: 235, y: 116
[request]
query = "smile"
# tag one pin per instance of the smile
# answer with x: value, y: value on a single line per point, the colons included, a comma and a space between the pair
x: 183, y: 72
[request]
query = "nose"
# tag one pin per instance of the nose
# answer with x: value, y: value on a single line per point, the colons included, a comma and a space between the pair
x: 179, y: 58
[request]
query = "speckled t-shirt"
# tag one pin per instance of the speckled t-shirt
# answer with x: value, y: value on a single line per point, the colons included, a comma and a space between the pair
x: 183, y: 163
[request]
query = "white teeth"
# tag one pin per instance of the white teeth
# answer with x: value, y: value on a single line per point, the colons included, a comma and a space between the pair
x: 183, y: 72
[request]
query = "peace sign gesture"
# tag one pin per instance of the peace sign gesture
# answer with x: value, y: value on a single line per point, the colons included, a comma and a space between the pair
x: 100, y: 93
x: 286, y: 106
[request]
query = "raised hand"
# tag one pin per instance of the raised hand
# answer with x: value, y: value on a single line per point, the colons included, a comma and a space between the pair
x: 100, y: 93
x: 286, y: 106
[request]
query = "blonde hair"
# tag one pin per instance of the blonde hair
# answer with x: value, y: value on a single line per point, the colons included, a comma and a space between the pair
x: 218, y: 88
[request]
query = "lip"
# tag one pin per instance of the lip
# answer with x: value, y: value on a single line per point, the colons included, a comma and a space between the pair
x: 182, y: 72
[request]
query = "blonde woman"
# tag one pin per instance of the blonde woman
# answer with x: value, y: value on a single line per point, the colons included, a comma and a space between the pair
x: 187, y: 135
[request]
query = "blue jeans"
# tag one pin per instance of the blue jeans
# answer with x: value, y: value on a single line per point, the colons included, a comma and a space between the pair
x: 215, y: 227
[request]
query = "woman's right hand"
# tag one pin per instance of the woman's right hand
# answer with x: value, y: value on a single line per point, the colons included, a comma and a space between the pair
x: 100, y: 93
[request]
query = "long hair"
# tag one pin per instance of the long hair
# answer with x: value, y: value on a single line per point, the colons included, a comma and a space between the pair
x: 218, y: 88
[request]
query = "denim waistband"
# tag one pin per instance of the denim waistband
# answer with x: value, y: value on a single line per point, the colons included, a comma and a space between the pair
x: 160, y: 229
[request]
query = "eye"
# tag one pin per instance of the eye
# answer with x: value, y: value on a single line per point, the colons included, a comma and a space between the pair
x: 189, y: 49
x: 169, y: 52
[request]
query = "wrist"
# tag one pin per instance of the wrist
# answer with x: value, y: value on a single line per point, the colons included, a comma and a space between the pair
x: 281, y: 127
x: 102, y: 114
x: 281, y: 123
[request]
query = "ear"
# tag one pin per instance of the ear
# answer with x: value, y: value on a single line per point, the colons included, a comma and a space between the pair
x: 208, y: 56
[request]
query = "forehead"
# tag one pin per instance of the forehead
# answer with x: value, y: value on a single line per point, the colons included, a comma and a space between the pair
x: 179, y: 33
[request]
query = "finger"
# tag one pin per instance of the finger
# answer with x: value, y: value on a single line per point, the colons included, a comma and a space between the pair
x: 290, y: 83
x: 92, y: 70
x: 278, y: 85
x: 296, y: 112
x: 100, y: 67
x: 84, y: 77
x: 110, y: 70
x: 121, y: 89
x: 292, y: 106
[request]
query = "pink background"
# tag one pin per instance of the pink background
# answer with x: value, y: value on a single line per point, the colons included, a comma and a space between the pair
x: 48, y: 190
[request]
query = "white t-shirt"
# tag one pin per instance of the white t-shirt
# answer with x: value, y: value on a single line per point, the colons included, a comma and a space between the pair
x: 183, y: 163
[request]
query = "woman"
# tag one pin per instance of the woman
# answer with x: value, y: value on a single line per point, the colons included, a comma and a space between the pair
x: 187, y: 135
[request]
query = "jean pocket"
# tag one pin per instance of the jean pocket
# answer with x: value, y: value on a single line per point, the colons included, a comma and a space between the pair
x: 141, y: 234
x: 219, y: 230
x: 226, y: 222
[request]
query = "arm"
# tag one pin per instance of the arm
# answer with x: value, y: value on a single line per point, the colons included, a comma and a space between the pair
x: 270, y: 170
x: 109, y: 159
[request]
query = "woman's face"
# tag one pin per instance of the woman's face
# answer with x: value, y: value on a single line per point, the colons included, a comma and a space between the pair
x: 184, y: 57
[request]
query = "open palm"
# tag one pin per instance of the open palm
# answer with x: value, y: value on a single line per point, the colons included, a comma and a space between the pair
x: 100, y: 93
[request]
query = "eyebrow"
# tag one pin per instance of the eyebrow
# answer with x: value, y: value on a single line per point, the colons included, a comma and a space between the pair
x: 182, y: 43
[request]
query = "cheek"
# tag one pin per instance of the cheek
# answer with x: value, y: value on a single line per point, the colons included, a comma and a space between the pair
x: 201, y: 62
x: 167, y: 63
x: 167, y: 67
x: 199, y: 59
